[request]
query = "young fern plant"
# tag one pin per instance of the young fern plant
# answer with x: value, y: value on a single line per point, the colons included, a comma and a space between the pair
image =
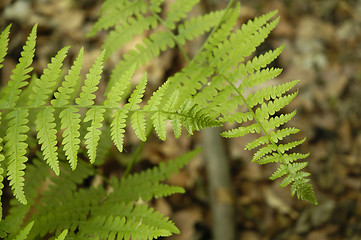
x: 209, y: 91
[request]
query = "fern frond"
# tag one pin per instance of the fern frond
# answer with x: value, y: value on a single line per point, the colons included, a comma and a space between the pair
x: 4, y: 40
x: 70, y: 122
x: 138, y: 125
x: 159, y: 122
x: 12, y: 91
x: 45, y: 127
x: 16, y: 149
x: 95, y: 115
x: 117, y: 128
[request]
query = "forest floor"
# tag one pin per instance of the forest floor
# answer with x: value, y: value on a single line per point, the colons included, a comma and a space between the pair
x: 322, y: 49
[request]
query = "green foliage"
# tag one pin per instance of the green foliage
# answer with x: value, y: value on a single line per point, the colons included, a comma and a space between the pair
x: 223, y: 78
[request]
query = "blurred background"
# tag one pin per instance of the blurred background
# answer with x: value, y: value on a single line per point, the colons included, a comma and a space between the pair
x: 322, y: 49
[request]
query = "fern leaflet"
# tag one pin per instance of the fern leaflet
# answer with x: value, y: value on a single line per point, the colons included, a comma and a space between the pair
x: 16, y: 149
x: 4, y: 40
x: 20, y: 73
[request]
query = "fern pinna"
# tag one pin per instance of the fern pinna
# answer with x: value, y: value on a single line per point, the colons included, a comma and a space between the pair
x: 212, y: 90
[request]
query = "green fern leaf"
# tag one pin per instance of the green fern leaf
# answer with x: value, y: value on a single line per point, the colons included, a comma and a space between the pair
x: 43, y: 89
x: 141, y: 214
x: 269, y: 93
x: 285, y: 147
x: 263, y: 60
x: 172, y: 103
x: 45, y: 118
x: 138, y: 118
x: 95, y: 115
x: 257, y: 142
x: 141, y: 185
x: 304, y: 190
x: 4, y: 40
x: 158, y: 118
x: 261, y: 76
x: 119, y: 116
x: 12, y: 91
x: 70, y: 122
x: 138, y: 124
x: 23, y: 234
x: 70, y: 119
x: 120, y: 228
x: 159, y: 122
x: 87, y: 96
x: 241, y: 131
x: 281, y: 171
x: 62, y: 235
x: 136, y: 96
x: 62, y: 96
x: 45, y: 127
x: 282, y: 133
x: 117, y: 128
x: 117, y: 91
x: 156, y: 99
x: 296, y: 177
x: 16, y: 149
x: 277, y: 121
